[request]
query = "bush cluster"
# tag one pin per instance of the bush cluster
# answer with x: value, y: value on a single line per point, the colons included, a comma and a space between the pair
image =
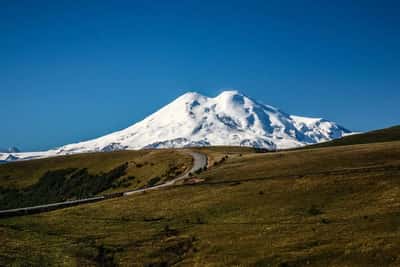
x: 222, y: 160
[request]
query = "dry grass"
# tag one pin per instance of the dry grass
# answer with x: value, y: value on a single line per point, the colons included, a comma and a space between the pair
x: 143, y: 165
x: 378, y: 136
x: 336, y: 206
x: 217, y: 153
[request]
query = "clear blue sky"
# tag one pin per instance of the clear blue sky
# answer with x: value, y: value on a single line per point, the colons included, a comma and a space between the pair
x: 73, y: 70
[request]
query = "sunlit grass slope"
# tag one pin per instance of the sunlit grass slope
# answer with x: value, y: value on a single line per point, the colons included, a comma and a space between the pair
x: 28, y: 183
x: 382, y: 135
x: 337, y: 206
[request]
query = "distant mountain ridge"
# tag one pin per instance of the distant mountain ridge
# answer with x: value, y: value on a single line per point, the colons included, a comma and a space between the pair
x: 12, y: 149
x: 231, y: 119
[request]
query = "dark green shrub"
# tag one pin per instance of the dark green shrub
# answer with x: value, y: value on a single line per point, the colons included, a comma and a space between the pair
x: 314, y: 211
x: 153, y: 181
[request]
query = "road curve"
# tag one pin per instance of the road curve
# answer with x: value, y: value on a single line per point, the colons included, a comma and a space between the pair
x: 199, y: 162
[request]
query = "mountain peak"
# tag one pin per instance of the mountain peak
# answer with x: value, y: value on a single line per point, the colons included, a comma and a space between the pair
x: 191, y: 94
x: 230, y: 118
x: 230, y: 93
x: 224, y: 94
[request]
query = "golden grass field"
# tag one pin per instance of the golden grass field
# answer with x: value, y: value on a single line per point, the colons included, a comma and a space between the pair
x: 142, y: 164
x: 333, y: 206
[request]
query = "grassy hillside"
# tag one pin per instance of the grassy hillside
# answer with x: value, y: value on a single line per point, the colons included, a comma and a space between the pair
x: 383, y: 135
x: 336, y: 206
x: 55, y: 179
x: 218, y: 154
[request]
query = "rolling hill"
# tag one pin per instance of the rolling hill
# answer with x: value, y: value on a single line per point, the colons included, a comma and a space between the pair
x: 332, y: 206
x: 43, y: 181
x: 381, y: 135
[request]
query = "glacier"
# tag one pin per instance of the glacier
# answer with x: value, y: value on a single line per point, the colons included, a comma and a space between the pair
x: 229, y: 119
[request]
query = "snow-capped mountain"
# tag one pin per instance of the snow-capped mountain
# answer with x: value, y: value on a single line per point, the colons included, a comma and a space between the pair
x: 230, y: 118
